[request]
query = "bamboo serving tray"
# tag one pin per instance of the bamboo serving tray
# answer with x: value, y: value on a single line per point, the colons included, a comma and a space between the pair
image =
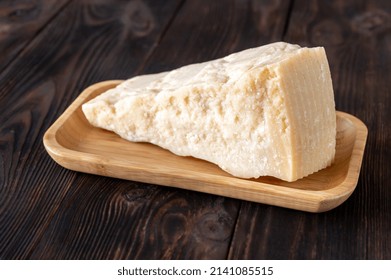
x: 74, y: 144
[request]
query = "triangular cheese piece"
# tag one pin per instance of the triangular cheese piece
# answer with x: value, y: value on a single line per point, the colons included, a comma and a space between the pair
x: 263, y: 111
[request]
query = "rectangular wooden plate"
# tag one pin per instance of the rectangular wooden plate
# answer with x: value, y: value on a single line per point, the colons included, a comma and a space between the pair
x: 73, y: 143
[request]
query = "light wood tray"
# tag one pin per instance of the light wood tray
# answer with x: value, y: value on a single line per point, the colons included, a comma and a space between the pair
x: 73, y: 143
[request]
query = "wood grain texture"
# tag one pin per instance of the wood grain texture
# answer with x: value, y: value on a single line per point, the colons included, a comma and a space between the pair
x: 65, y: 56
x: 356, y: 35
x: 126, y: 220
x: 183, y: 42
x: 216, y: 32
x: 20, y: 22
x: 77, y: 145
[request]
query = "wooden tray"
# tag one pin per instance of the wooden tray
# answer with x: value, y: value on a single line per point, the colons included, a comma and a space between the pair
x: 73, y: 143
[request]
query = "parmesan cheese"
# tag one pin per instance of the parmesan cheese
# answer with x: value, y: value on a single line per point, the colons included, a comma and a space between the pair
x: 266, y: 111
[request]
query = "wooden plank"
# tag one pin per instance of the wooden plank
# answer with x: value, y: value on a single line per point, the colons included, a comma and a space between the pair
x: 113, y: 219
x: 20, y: 21
x: 206, y: 31
x: 356, y: 36
x: 140, y: 221
x: 88, y: 41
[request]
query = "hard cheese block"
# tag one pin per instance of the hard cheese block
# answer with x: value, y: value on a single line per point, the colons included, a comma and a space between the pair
x: 263, y: 111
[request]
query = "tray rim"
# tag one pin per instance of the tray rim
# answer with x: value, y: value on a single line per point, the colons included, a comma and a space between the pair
x: 323, y: 200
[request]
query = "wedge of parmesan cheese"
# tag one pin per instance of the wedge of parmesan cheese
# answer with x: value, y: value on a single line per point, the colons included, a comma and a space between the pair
x: 263, y: 111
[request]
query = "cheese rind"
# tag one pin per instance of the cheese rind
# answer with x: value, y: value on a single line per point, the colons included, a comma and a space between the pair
x: 263, y: 111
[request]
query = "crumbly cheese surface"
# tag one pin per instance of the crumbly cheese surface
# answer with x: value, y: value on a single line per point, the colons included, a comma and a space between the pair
x: 263, y: 111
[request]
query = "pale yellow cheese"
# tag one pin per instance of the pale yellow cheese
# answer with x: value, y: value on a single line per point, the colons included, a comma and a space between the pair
x: 263, y: 111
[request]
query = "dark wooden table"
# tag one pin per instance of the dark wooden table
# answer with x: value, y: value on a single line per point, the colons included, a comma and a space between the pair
x: 51, y: 50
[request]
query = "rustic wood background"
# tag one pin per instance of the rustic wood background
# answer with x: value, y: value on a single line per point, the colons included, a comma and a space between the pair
x: 51, y: 50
